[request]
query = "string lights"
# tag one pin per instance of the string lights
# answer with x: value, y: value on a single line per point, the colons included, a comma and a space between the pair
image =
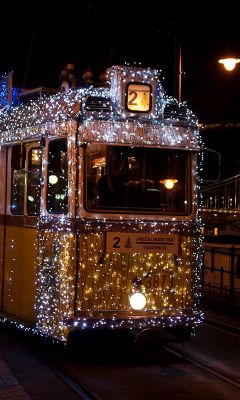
x: 79, y: 284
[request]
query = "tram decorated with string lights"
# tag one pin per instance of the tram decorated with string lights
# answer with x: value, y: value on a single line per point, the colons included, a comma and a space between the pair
x: 99, y: 220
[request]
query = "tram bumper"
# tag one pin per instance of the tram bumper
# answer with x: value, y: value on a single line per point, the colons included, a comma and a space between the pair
x: 138, y: 321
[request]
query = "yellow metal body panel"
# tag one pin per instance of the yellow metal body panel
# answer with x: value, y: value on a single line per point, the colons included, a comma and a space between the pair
x: 19, y: 287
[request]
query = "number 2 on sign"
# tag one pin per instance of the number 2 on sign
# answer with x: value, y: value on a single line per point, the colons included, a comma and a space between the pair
x: 116, y: 242
x: 134, y: 96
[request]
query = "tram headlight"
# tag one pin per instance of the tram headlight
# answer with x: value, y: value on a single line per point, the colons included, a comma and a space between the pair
x: 52, y: 179
x: 137, y: 301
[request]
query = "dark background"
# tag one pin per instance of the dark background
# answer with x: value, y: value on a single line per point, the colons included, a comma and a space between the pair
x: 37, y: 38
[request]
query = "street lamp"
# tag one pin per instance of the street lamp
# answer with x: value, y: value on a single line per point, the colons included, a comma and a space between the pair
x: 229, y: 63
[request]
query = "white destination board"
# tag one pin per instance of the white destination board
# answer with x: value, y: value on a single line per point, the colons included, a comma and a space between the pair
x: 142, y: 243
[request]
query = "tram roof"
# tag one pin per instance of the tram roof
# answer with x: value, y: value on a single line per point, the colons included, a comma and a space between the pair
x: 95, y: 104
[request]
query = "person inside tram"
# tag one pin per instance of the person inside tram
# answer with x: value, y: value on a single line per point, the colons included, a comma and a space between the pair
x: 87, y: 78
x: 112, y: 187
x: 68, y: 78
x: 103, y: 78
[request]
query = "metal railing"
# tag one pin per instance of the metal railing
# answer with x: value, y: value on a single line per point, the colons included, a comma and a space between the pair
x: 221, y: 271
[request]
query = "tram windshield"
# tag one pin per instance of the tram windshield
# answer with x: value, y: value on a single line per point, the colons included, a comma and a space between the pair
x: 141, y: 179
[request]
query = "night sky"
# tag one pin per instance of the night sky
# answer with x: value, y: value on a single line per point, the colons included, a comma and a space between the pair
x: 38, y: 38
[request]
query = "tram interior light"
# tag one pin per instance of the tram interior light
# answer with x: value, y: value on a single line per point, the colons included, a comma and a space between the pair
x: 30, y: 198
x: 59, y: 196
x: 137, y: 301
x: 169, y: 183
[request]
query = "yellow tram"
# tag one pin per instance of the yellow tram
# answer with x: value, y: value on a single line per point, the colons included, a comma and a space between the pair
x: 99, y: 221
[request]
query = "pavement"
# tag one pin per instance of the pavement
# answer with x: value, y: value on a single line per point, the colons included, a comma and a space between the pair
x: 10, y: 387
x: 24, y: 373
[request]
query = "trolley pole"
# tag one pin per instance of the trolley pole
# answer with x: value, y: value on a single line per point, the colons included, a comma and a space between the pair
x: 180, y: 73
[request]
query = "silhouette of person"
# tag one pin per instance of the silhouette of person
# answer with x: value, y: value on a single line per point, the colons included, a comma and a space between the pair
x: 68, y: 78
x: 103, y: 77
x: 111, y: 187
x: 87, y: 78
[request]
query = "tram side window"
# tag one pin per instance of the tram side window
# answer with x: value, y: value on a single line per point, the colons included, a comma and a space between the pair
x: 18, y: 179
x: 33, y: 181
x: 57, y: 188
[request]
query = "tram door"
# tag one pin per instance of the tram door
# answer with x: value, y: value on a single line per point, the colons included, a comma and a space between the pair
x: 20, y: 230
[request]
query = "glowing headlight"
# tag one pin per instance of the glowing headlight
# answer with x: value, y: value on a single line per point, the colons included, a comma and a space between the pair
x: 52, y: 179
x: 137, y: 301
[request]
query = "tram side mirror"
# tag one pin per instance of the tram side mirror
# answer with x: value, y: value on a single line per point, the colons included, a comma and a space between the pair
x: 211, y: 165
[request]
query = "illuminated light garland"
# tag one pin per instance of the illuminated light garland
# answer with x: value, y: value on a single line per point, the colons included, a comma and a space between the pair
x: 55, y: 282
x: 106, y: 289
x: 168, y: 277
x: 5, y: 96
x: 31, y: 120
x: 99, y: 290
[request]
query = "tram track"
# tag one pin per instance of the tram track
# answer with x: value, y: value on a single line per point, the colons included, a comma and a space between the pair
x: 86, y: 393
x: 225, y: 328
x: 62, y: 367
x: 80, y: 390
x: 220, y: 326
x: 202, y: 366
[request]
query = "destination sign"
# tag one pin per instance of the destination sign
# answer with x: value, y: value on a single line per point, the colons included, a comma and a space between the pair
x: 142, y: 243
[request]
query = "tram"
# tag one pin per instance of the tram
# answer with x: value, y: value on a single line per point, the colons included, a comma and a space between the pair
x: 99, y: 221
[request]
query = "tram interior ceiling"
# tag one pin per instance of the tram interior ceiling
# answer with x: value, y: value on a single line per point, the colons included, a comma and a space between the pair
x: 99, y: 209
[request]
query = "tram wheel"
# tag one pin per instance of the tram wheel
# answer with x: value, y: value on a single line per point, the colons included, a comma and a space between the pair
x: 181, y: 333
x: 149, y: 341
x: 88, y: 343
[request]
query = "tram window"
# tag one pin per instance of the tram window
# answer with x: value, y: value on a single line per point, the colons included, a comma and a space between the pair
x: 33, y: 181
x: 18, y: 179
x: 57, y: 187
x: 132, y: 178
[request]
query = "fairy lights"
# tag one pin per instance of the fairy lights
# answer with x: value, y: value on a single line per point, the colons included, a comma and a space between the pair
x: 79, y: 284
x: 166, y: 280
